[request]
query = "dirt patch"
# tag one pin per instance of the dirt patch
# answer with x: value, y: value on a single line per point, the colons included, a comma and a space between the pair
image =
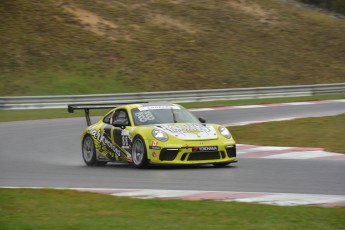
x: 168, y: 22
x: 255, y: 10
x: 177, y: 1
x: 92, y: 22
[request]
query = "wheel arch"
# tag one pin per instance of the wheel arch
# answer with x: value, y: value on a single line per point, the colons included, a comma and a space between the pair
x: 145, y: 143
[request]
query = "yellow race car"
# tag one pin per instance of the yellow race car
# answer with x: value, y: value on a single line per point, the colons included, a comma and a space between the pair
x: 153, y: 133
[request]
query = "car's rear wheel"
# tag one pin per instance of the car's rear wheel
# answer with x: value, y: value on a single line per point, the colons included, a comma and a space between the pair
x: 139, y: 153
x: 89, y: 152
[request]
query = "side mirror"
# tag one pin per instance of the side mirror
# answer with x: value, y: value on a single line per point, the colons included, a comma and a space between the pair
x: 202, y: 120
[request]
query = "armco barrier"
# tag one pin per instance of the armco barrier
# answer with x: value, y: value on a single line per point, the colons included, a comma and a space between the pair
x: 45, y: 102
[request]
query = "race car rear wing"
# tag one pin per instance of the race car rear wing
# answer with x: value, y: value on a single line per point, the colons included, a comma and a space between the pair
x: 87, y: 107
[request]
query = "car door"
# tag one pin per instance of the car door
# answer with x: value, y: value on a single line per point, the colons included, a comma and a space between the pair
x: 120, y: 133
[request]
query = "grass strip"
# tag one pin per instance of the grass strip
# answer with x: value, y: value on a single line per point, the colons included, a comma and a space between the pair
x: 65, y: 209
x: 37, y: 114
x: 323, y: 132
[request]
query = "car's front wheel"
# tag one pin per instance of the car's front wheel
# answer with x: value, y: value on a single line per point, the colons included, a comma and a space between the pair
x: 89, y: 152
x: 139, y: 153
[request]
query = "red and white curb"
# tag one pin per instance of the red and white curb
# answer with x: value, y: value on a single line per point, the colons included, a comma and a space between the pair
x: 281, y: 199
x: 273, y: 152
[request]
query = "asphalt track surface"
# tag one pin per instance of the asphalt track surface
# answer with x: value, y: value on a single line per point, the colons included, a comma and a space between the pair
x: 47, y: 153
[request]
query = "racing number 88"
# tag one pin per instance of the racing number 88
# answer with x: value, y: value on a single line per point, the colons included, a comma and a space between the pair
x: 145, y: 116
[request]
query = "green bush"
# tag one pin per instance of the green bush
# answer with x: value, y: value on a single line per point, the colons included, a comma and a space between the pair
x: 333, y: 5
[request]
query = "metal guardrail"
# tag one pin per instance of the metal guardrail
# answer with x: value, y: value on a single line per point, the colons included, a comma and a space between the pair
x: 46, y: 102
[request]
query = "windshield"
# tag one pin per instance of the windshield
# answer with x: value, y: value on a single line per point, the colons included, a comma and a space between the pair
x: 148, y: 115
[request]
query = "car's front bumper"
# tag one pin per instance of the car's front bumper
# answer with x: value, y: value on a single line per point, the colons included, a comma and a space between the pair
x: 192, y: 155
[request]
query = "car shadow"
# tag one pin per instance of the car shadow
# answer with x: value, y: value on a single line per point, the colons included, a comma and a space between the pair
x: 167, y: 167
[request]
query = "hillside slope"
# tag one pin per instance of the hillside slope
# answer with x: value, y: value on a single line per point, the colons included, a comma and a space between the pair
x: 106, y: 46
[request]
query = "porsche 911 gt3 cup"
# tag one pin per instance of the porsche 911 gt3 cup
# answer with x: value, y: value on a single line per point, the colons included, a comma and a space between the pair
x: 153, y: 133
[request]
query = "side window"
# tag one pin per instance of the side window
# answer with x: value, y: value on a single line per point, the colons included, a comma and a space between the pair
x: 107, y: 118
x: 121, y: 117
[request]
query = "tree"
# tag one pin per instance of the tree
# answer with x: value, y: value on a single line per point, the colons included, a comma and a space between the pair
x: 333, y: 5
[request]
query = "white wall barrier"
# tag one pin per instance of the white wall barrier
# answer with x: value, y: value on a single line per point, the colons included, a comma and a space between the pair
x: 46, y: 102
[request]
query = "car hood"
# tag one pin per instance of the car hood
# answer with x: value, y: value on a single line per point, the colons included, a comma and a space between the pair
x: 189, y: 131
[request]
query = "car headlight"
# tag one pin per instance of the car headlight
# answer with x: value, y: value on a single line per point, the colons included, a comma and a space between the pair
x: 224, y: 131
x: 160, y: 135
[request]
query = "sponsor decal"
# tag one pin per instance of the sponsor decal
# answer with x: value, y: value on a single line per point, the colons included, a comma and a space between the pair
x: 205, y: 148
x: 154, y: 143
x: 155, y: 147
x: 125, y: 142
x: 188, y: 128
x: 154, y: 107
x: 154, y: 154
x: 100, y: 157
x: 129, y: 159
x: 126, y: 139
x: 104, y: 140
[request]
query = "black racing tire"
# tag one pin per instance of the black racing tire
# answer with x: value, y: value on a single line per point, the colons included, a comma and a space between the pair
x: 139, y: 153
x: 221, y: 165
x: 89, y: 152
